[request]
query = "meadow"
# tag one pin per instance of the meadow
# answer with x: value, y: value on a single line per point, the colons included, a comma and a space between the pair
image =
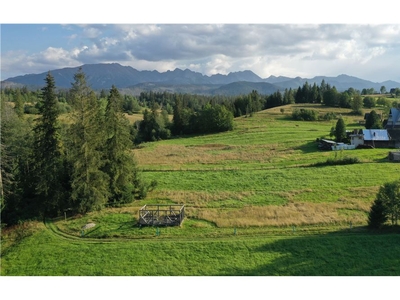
x: 255, y: 202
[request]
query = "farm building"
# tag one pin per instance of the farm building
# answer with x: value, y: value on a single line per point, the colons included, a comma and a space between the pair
x: 394, y: 156
x: 161, y: 215
x: 393, y: 126
x: 325, y: 144
x: 332, y: 145
x: 377, y: 138
x: 393, y: 119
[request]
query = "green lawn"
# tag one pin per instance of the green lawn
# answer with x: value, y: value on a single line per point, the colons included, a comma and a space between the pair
x: 332, y: 254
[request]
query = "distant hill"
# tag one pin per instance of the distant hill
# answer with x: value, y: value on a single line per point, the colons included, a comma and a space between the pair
x: 245, y: 88
x: 103, y: 76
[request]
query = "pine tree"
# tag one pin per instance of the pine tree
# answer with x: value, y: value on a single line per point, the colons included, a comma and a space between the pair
x: 377, y: 215
x: 89, y: 183
x: 340, y: 130
x: 389, y: 194
x: 120, y: 164
x: 48, y: 153
x: 19, y: 104
x: 178, y: 123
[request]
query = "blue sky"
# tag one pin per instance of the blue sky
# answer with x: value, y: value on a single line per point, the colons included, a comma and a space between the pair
x: 285, y: 46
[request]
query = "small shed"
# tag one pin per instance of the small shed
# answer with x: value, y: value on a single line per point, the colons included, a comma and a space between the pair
x: 324, y: 144
x: 394, y: 156
x: 161, y: 215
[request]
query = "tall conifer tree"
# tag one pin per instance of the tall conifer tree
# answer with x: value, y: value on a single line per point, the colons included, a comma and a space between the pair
x: 89, y: 183
x: 19, y: 103
x: 47, y: 152
x: 120, y: 165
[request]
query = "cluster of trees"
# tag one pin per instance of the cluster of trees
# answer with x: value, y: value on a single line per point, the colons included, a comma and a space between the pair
x: 155, y: 126
x: 305, y: 114
x: 82, y: 165
x: 210, y: 118
x: 386, y: 206
x: 28, y: 102
x: 395, y: 92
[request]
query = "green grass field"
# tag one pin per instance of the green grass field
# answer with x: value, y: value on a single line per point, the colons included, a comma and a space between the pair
x: 331, y: 254
x: 255, y: 205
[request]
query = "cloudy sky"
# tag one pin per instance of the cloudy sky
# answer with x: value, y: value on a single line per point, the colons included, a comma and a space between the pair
x: 305, y: 49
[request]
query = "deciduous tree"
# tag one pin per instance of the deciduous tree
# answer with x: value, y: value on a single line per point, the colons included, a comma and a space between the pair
x: 373, y: 121
x: 356, y: 105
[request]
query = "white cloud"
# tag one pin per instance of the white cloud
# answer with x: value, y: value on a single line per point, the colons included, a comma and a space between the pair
x: 292, y: 50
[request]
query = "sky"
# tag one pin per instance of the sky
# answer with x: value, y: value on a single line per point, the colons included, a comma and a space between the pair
x: 301, y: 48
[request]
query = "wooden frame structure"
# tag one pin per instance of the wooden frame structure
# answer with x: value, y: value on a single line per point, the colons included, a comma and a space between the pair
x: 161, y: 215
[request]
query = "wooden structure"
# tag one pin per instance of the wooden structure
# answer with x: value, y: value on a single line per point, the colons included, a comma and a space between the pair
x: 394, y: 156
x: 161, y: 215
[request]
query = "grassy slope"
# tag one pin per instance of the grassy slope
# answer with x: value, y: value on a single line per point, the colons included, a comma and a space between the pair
x: 256, y: 179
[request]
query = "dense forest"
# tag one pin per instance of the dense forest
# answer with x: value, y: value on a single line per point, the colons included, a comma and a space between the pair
x: 83, y: 162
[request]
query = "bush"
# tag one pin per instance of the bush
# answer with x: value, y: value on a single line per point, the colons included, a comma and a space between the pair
x: 305, y: 115
x: 29, y: 109
x: 369, y: 102
x: 335, y: 162
x: 329, y: 116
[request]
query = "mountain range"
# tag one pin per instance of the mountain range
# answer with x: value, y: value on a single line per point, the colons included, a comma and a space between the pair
x: 132, y: 81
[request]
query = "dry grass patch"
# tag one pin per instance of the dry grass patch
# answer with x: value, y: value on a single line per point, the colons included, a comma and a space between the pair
x: 177, y: 156
x: 297, y: 214
x: 291, y: 195
x: 200, y: 198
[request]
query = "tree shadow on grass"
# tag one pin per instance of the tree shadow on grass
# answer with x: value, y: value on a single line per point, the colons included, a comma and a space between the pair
x: 335, y: 254
x: 309, y: 147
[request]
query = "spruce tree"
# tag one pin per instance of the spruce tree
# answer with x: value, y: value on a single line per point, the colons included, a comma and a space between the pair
x: 377, y: 215
x: 19, y: 104
x: 340, y: 130
x: 389, y: 194
x: 90, y: 188
x: 119, y: 162
x: 48, y: 153
x: 178, y: 123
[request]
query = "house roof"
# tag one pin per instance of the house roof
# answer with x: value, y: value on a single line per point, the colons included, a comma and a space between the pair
x: 328, y: 141
x: 375, y: 135
x: 394, y: 117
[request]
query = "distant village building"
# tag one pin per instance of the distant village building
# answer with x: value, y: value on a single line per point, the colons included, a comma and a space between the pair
x: 394, y: 156
x: 377, y: 138
x: 393, y: 126
x: 393, y: 121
